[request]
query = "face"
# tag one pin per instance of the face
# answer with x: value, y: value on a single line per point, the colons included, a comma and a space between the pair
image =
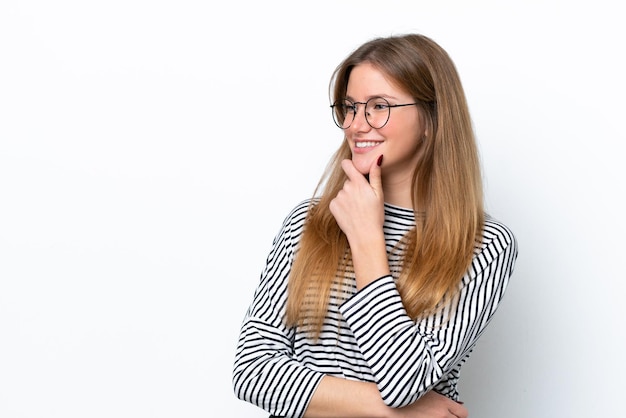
x: 397, y: 141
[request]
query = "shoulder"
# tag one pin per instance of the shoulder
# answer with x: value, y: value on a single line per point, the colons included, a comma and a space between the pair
x: 496, y: 233
x: 296, y: 217
x: 301, y: 208
x: 298, y: 213
x: 497, y: 248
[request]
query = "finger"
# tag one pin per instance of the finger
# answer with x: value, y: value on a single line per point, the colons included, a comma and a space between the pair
x: 375, y: 176
x: 458, y: 410
x: 351, y: 171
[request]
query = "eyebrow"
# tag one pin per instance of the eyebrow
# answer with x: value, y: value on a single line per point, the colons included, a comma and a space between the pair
x: 384, y: 96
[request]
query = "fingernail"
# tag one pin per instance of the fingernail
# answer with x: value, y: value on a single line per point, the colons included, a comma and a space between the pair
x: 380, y: 160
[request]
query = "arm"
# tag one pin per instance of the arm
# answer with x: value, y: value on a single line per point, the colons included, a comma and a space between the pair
x: 267, y: 375
x: 351, y: 399
x: 408, y: 358
x: 265, y: 372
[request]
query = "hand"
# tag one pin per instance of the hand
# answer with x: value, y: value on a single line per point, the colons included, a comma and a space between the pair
x: 432, y: 405
x: 358, y: 207
x: 359, y: 211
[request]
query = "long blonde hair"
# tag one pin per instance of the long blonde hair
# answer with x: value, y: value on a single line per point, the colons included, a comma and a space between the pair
x: 447, y: 189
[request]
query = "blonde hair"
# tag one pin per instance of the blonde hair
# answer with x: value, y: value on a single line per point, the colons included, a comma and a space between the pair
x: 446, y: 189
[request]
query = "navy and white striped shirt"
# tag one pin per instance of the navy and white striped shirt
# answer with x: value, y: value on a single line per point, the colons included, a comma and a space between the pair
x: 367, y: 335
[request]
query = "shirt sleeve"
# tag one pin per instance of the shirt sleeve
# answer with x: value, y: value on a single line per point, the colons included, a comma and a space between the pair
x: 408, y: 358
x: 265, y: 373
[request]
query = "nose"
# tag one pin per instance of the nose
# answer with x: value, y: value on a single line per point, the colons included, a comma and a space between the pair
x: 360, y: 118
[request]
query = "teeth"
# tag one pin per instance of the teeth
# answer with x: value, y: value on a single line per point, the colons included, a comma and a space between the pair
x: 366, y: 144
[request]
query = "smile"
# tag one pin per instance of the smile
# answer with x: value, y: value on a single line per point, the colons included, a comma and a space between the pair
x: 366, y: 144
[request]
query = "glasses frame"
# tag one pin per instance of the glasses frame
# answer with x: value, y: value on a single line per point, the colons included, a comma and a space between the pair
x: 356, y: 110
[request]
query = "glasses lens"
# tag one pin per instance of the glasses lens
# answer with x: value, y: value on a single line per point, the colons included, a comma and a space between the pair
x: 377, y: 112
x: 343, y: 113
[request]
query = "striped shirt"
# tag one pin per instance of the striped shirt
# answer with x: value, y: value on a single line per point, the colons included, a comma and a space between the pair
x: 367, y: 335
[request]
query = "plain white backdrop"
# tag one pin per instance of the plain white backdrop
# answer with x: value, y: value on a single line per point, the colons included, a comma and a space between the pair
x: 149, y: 151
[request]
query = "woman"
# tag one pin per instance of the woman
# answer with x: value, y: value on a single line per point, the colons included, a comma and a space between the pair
x: 377, y: 289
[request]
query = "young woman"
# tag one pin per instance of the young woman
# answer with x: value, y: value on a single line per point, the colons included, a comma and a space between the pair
x: 377, y: 288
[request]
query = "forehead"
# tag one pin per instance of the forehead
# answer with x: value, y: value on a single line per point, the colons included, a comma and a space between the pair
x: 366, y: 81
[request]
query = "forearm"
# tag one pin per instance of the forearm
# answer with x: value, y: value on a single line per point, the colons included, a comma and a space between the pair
x: 369, y: 258
x: 401, y: 357
x: 337, y: 397
x: 346, y: 398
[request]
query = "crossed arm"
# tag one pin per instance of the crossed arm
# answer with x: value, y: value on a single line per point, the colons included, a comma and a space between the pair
x: 352, y: 399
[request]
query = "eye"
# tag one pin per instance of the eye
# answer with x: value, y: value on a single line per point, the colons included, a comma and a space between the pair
x: 347, y: 108
x: 379, y: 104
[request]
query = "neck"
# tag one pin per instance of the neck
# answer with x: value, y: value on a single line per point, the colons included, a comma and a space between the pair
x: 398, y: 192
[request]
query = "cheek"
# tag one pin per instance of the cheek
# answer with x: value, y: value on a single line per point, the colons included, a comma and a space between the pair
x: 414, y: 132
x: 406, y: 139
x: 408, y: 134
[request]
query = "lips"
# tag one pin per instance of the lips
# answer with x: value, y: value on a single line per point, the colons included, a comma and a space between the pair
x: 366, y: 144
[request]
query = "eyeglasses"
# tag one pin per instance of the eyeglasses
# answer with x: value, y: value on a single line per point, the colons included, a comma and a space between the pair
x: 377, y: 112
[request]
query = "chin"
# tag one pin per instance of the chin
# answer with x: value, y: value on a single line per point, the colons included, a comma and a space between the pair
x: 362, y: 166
x: 365, y: 172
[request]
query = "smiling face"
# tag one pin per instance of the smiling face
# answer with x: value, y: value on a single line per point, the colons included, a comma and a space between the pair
x: 398, y: 141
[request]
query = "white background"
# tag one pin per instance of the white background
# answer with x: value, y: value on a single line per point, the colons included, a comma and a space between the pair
x: 149, y: 151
